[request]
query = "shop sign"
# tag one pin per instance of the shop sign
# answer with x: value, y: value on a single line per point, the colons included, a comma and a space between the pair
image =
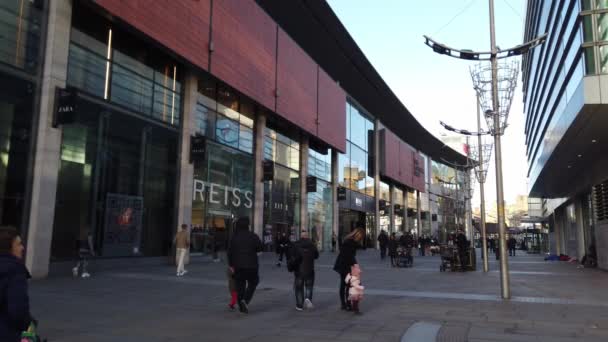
x: 221, y: 194
x: 359, y: 202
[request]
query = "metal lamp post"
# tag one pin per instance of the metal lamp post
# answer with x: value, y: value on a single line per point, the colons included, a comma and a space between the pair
x: 496, y: 126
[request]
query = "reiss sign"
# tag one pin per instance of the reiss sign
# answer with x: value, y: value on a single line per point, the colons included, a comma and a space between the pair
x: 221, y: 194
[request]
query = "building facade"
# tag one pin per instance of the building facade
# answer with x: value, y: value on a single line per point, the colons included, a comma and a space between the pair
x: 564, y: 85
x: 122, y: 120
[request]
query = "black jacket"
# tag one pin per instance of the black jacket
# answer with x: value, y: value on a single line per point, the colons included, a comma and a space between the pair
x: 406, y: 240
x: 461, y: 241
x: 307, y: 252
x: 244, y: 249
x: 383, y: 240
x: 282, y: 244
x: 14, y: 302
x: 392, y: 247
x: 347, y: 256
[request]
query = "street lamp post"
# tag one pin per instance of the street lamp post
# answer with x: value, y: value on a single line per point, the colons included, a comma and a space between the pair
x: 504, y: 265
x: 497, y: 114
x: 481, y: 180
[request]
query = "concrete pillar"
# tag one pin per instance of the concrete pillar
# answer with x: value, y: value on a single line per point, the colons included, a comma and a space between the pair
x: 406, y: 219
x: 391, y: 213
x: 258, y: 184
x: 580, y: 228
x: 418, y: 214
x: 559, y: 225
x: 185, y: 168
x: 48, y: 141
x: 376, y: 180
x: 303, y: 176
x: 335, y: 181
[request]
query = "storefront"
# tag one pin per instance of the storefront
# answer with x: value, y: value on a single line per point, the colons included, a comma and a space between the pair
x: 320, y: 201
x: 118, y: 156
x: 19, y: 66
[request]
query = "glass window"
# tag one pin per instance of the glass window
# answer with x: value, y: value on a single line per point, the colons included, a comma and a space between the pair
x: 227, y: 131
x: 586, y: 4
x: 589, y: 61
x: 358, y: 168
x: 205, y: 120
x: 320, y: 215
x: 319, y: 165
x: 348, y: 121
x: 602, y: 27
x: 131, y: 90
x: 358, y: 130
x: 600, y: 4
x: 384, y: 192
x: 87, y: 70
x: 603, y: 49
x: 20, y: 23
x: 246, y: 139
x: 344, y: 178
x: 281, y: 149
x: 587, y: 28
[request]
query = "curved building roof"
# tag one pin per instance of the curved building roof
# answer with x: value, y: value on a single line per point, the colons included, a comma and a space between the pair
x: 317, y: 29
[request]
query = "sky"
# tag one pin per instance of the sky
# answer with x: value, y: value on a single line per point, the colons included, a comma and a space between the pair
x: 436, y: 87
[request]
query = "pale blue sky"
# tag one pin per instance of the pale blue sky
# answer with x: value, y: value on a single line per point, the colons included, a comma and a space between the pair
x: 436, y: 87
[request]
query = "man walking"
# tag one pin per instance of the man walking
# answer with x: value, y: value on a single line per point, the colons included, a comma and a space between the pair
x: 182, y: 244
x: 512, y: 244
x: 462, y: 244
x: 383, y: 241
x: 303, y: 253
x: 243, y: 261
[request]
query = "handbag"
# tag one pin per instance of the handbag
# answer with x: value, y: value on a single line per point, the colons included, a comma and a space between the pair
x: 31, y: 334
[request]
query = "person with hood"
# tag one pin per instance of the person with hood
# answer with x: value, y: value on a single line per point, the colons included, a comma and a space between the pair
x: 392, y: 249
x: 383, y: 242
x: 14, y: 302
x: 305, y: 252
x: 282, y: 247
x: 346, y: 258
x: 243, y: 262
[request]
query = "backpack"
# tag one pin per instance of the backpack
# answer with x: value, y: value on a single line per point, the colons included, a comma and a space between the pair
x: 294, y: 258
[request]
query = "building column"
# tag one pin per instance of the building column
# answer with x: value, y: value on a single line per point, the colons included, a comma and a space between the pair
x: 258, y: 183
x: 48, y: 141
x: 303, y: 192
x: 186, y: 168
x: 559, y: 225
x: 335, y: 181
x: 391, y: 213
x: 406, y: 219
x: 580, y: 228
x: 376, y: 161
x: 418, y: 214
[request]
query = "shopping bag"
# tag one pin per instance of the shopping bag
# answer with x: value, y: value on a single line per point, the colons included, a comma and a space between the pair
x: 31, y: 334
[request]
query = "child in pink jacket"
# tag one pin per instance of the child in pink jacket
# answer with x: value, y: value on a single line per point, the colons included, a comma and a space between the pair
x: 355, y: 290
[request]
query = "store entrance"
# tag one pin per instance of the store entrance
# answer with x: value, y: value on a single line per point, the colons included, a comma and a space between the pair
x: 350, y: 219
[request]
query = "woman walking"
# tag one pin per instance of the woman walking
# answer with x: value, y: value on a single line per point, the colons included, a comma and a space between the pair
x: 346, y: 258
x: 14, y: 303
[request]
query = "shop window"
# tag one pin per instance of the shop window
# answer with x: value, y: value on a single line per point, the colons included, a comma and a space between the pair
x: 20, y: 28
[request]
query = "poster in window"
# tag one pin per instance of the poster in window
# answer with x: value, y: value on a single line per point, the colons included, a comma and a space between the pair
x: 122, y: 230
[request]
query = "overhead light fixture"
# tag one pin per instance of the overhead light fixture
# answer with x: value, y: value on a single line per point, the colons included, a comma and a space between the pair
x: 569, y: 166
x: 594, y: 141
x: 580, y: 155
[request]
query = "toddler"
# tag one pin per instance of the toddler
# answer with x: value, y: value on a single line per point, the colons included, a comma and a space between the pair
x: 355, y: 290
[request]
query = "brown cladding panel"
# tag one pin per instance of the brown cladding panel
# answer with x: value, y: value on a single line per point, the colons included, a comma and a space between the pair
x: 297, y: 85
x: 406, y: 164
x: 181, y: 26
x: 418, y: 178
x: 390, y: 160
x: 332, y: 112
x: 244, y: 44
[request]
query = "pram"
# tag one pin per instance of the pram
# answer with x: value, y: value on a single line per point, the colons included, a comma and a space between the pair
x: 404, y: 257
x: 449, y: 258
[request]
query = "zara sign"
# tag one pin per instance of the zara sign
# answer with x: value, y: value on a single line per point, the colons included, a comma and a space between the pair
x: 221, y: 194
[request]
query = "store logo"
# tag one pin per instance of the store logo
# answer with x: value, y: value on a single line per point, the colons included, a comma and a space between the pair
x: 217, y: 194
x: 358, y: 202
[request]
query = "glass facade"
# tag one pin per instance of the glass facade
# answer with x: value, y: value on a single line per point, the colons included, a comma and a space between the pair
x: 398, y: 222
x: 223, y: 182
x: 282, y: 194
x: 354, y: 171
x: 20, y: 30
x: 116, y: 182
x: 385, y: 218
x: 107, y: 62
x: 20, y: 37
x: 320, y: 208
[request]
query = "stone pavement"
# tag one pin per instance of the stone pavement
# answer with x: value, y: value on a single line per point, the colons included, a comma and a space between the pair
x: 552, y: 301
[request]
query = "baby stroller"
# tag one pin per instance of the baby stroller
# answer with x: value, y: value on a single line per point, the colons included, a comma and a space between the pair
x: 404, y: 257
x: 449, y: 258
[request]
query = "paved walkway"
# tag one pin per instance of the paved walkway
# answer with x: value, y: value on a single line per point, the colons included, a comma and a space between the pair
x: 552, y: 301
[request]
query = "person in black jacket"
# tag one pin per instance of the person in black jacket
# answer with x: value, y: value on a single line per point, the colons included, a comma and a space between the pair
x: 14, y: 302
x: 305, y: 251
x: 346, y: 258
x: 463, y: 245
x: 383, y: 242
x: 243, y: 261
x: 282, y: 246
x: 392, y: 249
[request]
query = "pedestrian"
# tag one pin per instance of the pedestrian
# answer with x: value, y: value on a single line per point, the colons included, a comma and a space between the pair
x: 333, y: 242
x: 282, y: 246
x: 14, y: 302
x: 346, y: 258
x: 512, y: 244
x: 355, y: 289
x: 462, y: 244
x: 304, y: 252
x: 231, y: 288
x: 392, y: 249
x: 182, y: 244
x: 383, y: 242
x: 243, y: 261
x: 84, y: 248
x: 421, y: 245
